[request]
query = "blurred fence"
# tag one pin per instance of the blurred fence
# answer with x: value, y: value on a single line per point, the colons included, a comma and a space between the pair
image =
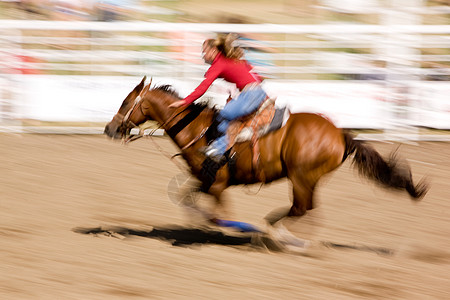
x: 361, y: 76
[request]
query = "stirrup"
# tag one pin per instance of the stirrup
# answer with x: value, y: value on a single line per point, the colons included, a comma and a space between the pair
x: 210, y: 168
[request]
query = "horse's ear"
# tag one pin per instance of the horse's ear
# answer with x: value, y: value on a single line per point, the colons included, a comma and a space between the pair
x: 141, y: 85
x: 133, y: 94
x: 145, y: 90
x: 138, y: 89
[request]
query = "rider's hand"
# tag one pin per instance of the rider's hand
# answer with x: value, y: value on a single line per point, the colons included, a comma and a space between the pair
x: 177, y: 104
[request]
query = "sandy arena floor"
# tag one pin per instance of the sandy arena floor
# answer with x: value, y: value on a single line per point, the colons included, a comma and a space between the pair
x: 51, y: 186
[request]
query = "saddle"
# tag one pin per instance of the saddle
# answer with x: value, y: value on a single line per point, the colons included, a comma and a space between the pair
x: 251, y: 127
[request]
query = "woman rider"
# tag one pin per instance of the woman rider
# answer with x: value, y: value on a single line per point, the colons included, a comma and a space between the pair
x: 227, y: 63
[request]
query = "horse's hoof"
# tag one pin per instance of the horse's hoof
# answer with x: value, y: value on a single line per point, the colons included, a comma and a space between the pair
x: 289, y: 241
x: 300, y: 247
x: 299, y: 243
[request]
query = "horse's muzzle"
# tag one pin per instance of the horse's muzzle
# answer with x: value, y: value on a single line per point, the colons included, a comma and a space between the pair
x: 113, y: 131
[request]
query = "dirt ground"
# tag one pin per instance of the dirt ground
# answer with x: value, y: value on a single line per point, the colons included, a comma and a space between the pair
x: 367, y: 242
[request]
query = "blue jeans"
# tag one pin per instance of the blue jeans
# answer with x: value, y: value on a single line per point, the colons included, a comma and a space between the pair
x: 247, y: 102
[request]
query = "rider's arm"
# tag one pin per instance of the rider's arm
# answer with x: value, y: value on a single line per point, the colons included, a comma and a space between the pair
x: 211, y: 75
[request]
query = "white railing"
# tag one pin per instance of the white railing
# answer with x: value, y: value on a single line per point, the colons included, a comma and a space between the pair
x: 399, y: 54
x: 297, y: 49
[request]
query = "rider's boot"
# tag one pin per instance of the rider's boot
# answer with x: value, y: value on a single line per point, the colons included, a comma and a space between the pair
x: 210, y: 166
x: 213, y: 153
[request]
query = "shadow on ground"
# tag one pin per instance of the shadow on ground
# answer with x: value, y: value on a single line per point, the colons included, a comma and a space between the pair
x: 177, y: 236
x: 182, y: 236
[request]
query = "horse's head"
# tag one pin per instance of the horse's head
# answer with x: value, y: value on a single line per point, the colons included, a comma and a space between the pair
x: 121, y: 124
x: 144, y: 104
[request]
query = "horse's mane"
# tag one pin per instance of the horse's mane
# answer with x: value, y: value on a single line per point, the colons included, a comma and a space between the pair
x: 212, y: 132
x: 169, y: 89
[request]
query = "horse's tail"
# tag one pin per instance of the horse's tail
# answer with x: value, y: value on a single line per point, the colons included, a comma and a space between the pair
x: 390, y: 174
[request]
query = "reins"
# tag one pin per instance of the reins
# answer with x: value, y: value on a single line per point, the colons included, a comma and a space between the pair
x: 141, y: 134
x: 173, y: 130
x: 126, y: 121
x: 164, y: 152
x: 195, y: 140
x: 151, y: 134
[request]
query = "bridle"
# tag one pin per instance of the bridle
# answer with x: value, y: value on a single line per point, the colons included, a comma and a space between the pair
x: 126, y: 124
x: 173, y: 130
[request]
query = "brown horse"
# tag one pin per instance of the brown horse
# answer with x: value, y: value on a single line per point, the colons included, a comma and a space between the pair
x: 306, y: 148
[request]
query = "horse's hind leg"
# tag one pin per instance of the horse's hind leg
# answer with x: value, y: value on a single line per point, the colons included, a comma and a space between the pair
x: 302, y: 200
x: 277, y: 231
x: 303, y: 186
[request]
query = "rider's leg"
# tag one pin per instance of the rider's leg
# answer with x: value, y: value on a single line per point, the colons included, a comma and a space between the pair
x: 247, y: 102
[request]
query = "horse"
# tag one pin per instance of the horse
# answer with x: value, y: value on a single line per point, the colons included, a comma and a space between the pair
x: 306, y: 148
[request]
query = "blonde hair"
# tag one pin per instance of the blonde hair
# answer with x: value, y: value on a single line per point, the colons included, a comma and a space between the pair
x: 226, y: 44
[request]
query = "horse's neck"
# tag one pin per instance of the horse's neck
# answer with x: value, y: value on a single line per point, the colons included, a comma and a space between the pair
x: 189, y: 126
x: 161, y: 113
x: 182, y: 127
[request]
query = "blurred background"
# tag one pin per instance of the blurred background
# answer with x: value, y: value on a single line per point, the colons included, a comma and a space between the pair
x: 377, y: 65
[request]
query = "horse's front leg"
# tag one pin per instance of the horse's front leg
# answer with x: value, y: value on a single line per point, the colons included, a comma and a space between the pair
x: 197, y: 212
x: 220, y: 209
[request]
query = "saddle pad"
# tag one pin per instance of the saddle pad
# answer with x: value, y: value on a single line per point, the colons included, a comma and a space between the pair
x: 261, y: 123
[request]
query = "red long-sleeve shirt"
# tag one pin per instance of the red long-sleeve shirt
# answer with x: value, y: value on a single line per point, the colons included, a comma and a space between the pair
x: 238, y: 72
